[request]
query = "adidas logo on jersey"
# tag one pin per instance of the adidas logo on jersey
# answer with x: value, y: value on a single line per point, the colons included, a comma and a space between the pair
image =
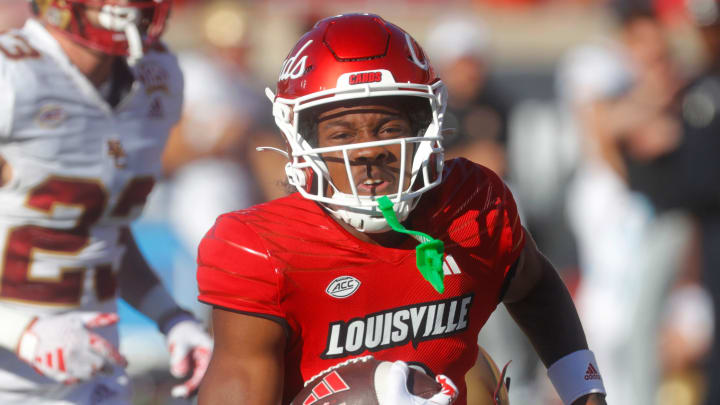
x: 156, y: 109
x: 450, y: 266
x: 592, y: 373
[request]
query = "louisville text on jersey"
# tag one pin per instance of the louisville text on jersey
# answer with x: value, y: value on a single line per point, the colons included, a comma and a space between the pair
x: 398, y: 326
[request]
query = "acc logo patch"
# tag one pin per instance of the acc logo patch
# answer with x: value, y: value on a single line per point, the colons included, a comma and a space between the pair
x: 343, y: 287
x: 50, y: 116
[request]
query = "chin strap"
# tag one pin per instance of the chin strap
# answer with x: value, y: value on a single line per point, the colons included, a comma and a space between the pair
x: 135, y: 44
x: 428, y: 254
x: 125, y: 20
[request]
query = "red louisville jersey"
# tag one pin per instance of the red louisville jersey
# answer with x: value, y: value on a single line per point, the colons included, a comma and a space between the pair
x: 340, y: 297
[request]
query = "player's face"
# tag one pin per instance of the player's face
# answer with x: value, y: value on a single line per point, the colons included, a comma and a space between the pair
x: 375, y: 170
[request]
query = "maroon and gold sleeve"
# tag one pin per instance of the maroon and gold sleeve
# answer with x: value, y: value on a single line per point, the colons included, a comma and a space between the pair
x: 235, y: 271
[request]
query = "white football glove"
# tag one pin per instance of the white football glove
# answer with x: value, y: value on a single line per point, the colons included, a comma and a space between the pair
x: 64, y: 348
x: 391, y: 387
x: 190, y: 346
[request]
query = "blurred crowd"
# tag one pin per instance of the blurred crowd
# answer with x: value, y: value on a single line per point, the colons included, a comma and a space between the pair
x: 600, y: 115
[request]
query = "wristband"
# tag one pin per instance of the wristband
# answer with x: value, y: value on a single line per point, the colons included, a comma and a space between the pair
x: 14, y: 325
x: 576, y: 375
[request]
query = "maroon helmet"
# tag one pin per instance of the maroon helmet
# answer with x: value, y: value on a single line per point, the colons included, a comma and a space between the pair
x: 123, y: 27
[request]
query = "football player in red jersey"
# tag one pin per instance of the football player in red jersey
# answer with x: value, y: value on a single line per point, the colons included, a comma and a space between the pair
x: 385, y: 249
x: 87, y: 98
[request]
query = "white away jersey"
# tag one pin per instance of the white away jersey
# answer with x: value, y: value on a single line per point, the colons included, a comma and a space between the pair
x: 80, y: 170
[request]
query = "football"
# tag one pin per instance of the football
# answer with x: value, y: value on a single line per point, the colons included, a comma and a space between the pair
x: 353, y: 383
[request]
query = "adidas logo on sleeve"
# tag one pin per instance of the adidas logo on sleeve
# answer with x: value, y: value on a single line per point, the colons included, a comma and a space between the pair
x: 592, y: 373
x: 576, y: 375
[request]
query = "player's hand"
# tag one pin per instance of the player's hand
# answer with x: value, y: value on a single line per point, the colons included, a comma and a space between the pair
x: 65, y: 349
x: 190, y: 350
x: 591, y: 399
x: 396, y: 391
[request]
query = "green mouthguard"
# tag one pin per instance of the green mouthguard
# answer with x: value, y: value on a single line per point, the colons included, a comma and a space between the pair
x: 428, y: 254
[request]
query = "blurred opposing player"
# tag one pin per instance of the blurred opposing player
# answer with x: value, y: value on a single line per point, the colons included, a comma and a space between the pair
x: 87, y: 97
x: 330, y: 273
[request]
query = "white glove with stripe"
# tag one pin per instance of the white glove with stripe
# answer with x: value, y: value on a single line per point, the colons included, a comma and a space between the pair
x: 65, y: 349
x: 190, y: 351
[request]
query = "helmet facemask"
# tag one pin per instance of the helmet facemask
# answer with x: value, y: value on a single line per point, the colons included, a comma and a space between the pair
x: 331, y: 64
x: 421, y: 154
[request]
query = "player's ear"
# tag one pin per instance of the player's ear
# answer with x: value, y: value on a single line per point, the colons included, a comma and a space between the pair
x: 288, y: 150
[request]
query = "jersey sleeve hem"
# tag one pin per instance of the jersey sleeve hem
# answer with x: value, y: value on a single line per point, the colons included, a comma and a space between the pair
x: 265, y: 315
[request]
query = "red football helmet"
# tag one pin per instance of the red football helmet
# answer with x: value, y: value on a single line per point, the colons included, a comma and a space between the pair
x: 358, y: 56
x: 123, y: 27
